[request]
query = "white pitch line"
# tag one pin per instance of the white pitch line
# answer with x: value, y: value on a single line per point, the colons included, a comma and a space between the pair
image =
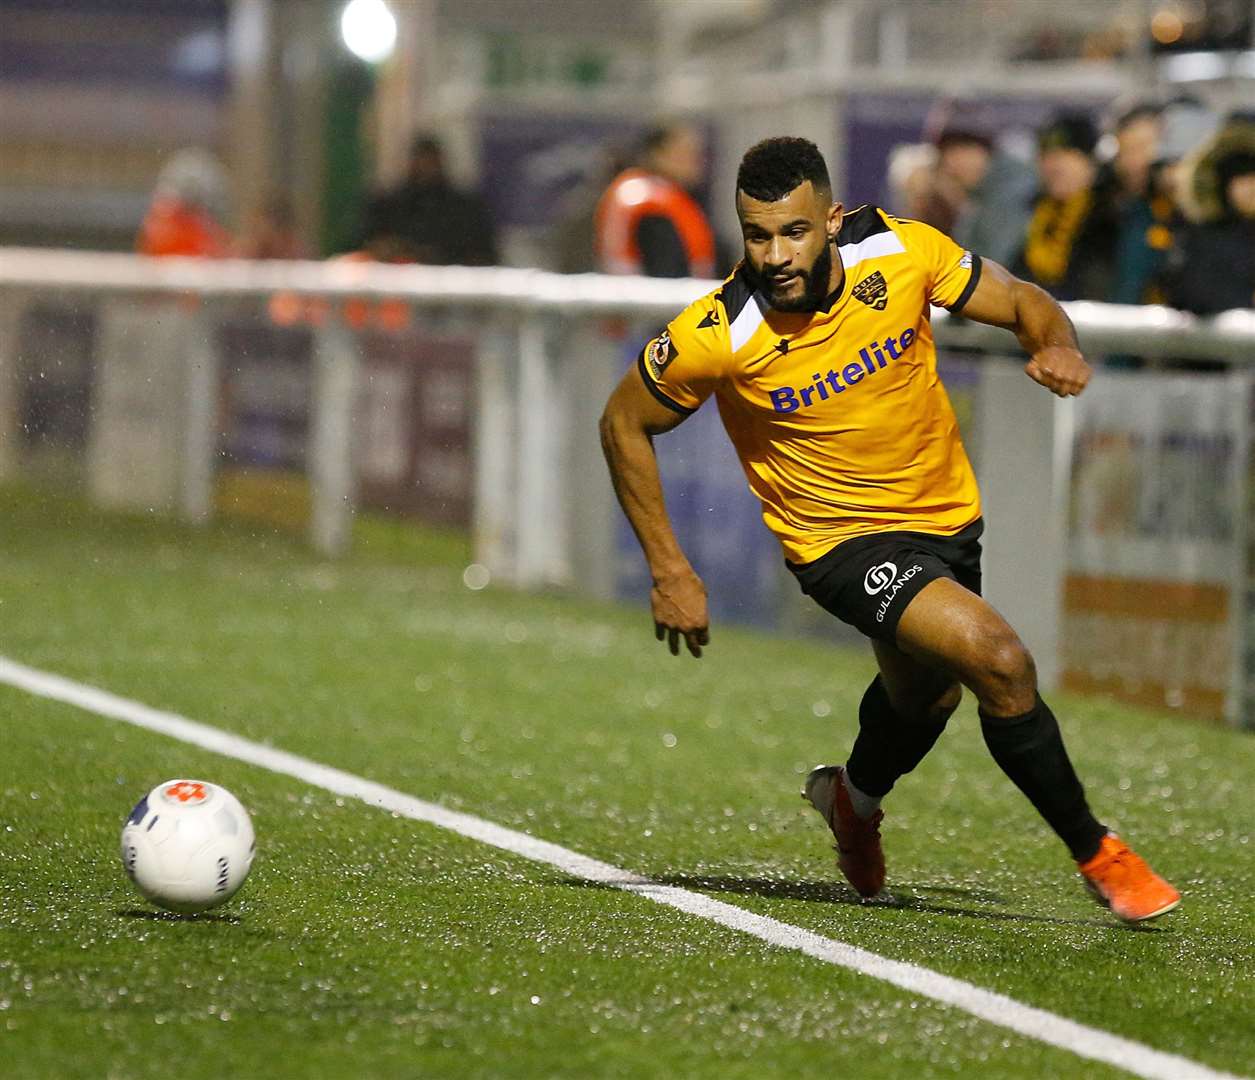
x: 1034, y: 1023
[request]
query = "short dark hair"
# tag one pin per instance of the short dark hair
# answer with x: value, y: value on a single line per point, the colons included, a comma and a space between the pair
x: 961, y: 136
x: 424, y: 142
x: 1068, y: 130
x: 772, y: 168
x: 656, y: 137
x: 1143, y: 110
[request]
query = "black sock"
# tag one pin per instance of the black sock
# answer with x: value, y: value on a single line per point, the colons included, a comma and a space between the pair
x: 888, y: 745
x: 1029, y: 749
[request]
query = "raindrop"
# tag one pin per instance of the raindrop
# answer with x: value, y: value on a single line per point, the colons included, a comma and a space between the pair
x: 476, y: 576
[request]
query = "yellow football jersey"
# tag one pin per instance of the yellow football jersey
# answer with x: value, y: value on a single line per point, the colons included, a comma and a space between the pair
x: 841, y: 423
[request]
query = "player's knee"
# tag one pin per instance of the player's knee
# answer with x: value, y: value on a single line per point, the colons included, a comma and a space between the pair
x: 1009, y: 669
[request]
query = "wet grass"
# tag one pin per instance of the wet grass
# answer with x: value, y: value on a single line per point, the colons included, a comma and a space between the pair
x: 366, y: 945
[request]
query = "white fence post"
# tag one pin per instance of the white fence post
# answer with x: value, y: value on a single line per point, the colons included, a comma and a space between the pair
x: 494, y: 507
x: 136, y: 440
x: 591, y: 362
x: 330, y: 447
x: 1240, y: 685
x: 1023, y: 480
x: 200, y: 359
x: 541, y: 541
x: 10, y: 385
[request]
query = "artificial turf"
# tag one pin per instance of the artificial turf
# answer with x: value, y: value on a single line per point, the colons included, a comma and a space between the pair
x: 369, y: 945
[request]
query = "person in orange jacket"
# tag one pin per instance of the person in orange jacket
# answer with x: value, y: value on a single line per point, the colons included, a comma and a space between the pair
x: 647, y: 222
x: 185, y: 215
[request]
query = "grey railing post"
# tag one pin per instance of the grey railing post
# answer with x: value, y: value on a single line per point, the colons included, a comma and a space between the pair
x: 330, y: 448
x: 495, y: 457
x: 541, y: 554
x: 10, y: 385
x: 200, y: 360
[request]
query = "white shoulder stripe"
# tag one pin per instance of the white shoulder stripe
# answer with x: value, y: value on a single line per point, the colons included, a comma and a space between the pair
x: 886, y: 243
x: 744, y: 325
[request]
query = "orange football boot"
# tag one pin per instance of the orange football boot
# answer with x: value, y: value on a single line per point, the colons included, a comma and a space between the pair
x: 1120, y: 879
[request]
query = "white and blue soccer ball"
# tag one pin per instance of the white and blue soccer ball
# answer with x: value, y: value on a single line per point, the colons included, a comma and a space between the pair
x: 188, y: 845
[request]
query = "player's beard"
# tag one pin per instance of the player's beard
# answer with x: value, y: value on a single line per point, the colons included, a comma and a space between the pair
x: 814, y: 281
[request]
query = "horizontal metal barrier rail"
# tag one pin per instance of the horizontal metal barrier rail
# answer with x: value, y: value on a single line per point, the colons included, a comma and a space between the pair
x: 1152, y: 332
x: 1120, y: 516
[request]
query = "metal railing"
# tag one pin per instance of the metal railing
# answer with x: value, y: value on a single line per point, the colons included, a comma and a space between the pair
x: 547, y: 350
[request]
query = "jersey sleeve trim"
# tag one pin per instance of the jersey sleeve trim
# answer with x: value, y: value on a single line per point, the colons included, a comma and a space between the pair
x: 653, y: 388
x: 957, y: 307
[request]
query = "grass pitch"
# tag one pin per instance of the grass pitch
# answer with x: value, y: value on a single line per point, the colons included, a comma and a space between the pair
x: 366, y: 945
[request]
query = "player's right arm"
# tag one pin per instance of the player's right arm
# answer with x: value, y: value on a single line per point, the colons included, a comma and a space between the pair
x: 633, y: 416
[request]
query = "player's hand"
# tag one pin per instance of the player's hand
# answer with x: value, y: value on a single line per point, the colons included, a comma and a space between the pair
x: 679, y: 606
x: 1061, y: 370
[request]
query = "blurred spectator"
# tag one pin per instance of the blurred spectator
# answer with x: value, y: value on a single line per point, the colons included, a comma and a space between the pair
x: 1124, y: 183
x: 427, y: 219
x: 1212, y: 265
x: 981, y: 189
x: 1186, y: 124
x: 911, y: 167
x: 1142, y: 258
x: 647, y: 221
x: 1137, y: 131
x: 271, y: 233
x: 1070, y: 243
x: 995, y: 216
x: 574, y: 233
x: 187, y: 210
x: 963, y: 159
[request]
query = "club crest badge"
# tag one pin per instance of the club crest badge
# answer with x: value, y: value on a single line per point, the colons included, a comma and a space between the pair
x: 660, y: 354
x: 873, y: 291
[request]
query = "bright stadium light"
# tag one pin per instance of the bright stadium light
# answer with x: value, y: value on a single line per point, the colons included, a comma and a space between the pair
x: 369, y: 29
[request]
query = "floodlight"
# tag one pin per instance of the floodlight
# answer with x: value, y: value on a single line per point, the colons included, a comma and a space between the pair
x: 369, y: 29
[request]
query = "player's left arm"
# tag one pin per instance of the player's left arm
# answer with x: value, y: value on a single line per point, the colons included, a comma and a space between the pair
x: 1035, y: 317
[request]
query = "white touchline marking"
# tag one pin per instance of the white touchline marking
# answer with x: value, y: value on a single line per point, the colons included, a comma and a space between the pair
x: 1034, y: 1023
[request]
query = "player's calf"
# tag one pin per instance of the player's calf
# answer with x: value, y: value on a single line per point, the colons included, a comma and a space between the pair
x: 896, y: 730
x: 1029, y: 749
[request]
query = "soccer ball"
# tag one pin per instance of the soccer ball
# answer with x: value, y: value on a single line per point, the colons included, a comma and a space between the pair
x: 188, y: 845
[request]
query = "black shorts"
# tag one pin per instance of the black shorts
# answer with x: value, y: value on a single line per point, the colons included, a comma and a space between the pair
x: 868, y: 581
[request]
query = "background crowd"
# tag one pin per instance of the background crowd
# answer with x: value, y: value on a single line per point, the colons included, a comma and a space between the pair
x: 1156, y: 205
x: 1157, y: 208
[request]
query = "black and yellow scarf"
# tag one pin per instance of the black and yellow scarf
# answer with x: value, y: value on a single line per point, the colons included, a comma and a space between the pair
x: 1052, y: 232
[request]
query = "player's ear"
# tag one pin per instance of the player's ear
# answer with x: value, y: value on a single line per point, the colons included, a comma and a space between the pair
x: 833, y: 224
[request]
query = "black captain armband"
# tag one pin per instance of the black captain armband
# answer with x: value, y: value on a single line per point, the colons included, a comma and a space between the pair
x: 957, y: 307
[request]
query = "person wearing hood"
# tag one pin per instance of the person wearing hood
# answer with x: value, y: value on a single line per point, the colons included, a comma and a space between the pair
x: 1212, y: 267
